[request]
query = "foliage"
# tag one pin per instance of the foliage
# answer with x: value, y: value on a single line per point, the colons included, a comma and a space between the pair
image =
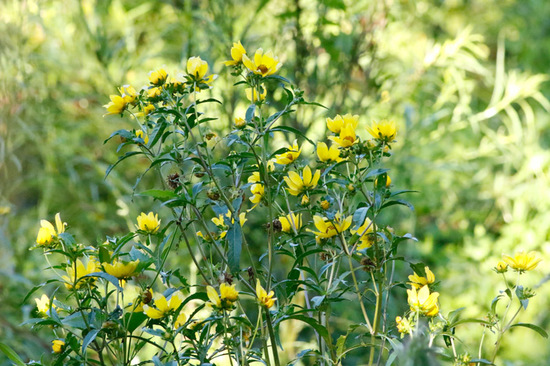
x: 415, y: 61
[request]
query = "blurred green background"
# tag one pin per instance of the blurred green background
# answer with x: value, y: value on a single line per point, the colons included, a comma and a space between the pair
x: 464, y: 79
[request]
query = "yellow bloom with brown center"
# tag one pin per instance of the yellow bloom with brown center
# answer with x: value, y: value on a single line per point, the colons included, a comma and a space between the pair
x: 43, y: 304
x: 335, y: 125
x: 365, y: 234
x: 291, y: 222
x: 290, y: 156
x: 327, y: 228
x: 253, y: 96
x: 149, y: 223
x: 237, y: 53
x: 265, y: 299
x: 77, y: 270
x: 423, y: 302
x: 522, y: 261
x: 58, y: 345
x: 298, y: 184
x: 163, y: 306
x: 48, y: 234
x: 142, y: 135
x: 262, y: 64
x: 383, y: 130
x: 420, y: 281
x: 347, y: 136
x: 158, y: 77
x: 328, y: 155
x: 121, y: 269
x: 228, y: 296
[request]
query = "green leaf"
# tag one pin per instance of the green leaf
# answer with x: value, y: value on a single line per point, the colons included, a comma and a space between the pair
x: 134, y: 320
x: 234, y: 239
x: 534, y: 327
x: 89, y: 339
x: 10, y: 353
x: 321, y: 330
x: 294, y: 131
x: 159, y: 194
x: 123, y: 157
x: 250, y: 113
x: 107, y: 277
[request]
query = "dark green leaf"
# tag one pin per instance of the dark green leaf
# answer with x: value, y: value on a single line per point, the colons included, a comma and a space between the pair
x: 89, y: 339
x: 234, y: 239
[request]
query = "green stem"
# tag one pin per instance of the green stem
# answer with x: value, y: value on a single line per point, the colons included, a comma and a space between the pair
x: 272, y: 336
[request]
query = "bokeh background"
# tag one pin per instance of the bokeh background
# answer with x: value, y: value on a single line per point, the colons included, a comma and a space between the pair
x: 464, y: 79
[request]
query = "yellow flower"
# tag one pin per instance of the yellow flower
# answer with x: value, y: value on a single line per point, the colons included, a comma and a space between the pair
x: 522, y: 261
x: 384, y: 130
x: 237, y: 52
x: 257, y: 191
x: 121, y: 269
x: 291, y: 222
x: 347, y: 136
x: 163, y: 306
x: 128, y: 93
x: 228, y: 296
x: 197, y: 69
x: 290, y: 156
x: 423, y: 302
x: 180, y: 320
x: 305, y: 200
x: 158, y: 77
x: 146, y: 110
x: 77, y: 270
x: 298, y: 184
x: 501, y: 267
x: 142, y: 135
x: 48, y: 234
x: 328, y: 155
x: 253, y: 96
x: 264, y: 299
x: 327, y: 228
x: 419, y: 281
x: 403, y: 326
x: 58, y: 345
x: 365, y: 234
x: 240, y: 122
x: 325, y: 205
x: 219, y: 221
x: 388, y: 181
x: 335, y: 125
x: 263, y: 64
x: 43, y: 304
x: 149, y: 223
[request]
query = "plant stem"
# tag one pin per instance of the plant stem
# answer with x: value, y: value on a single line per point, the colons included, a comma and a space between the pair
x: 272, y: 336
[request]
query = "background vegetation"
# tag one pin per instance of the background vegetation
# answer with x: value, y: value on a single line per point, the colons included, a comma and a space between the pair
x: 463, y: 79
